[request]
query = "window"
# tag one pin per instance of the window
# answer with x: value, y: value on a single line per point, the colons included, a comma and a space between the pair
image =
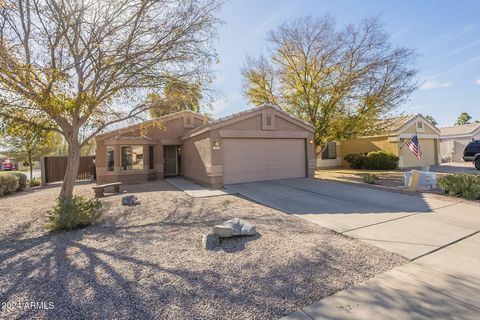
x: 151, y: 158
x: 189, y: 121
x: 419, y: 124
x: 110, y: 158
x: 132, y: 158
x: 330, y: 151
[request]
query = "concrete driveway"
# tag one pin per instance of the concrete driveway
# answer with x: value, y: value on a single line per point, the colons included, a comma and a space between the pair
x: 411, y: 226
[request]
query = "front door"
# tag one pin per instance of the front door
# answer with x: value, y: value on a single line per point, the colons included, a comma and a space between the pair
x: 170, y: 161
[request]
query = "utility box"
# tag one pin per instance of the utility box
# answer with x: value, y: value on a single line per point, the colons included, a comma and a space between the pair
x: 427, y: 180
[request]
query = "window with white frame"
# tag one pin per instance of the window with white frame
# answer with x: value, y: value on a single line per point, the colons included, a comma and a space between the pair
x: 330, y: 151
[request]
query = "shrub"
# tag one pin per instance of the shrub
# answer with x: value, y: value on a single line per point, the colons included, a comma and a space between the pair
x: 22, y: 180
x: 69, y: 214
x: 8, y: 184
x: 461, y: 185
x: 380, y: 160
x: 374, y: 160
x: 356, y: 160
x: 34, y: 182
x: 369, y: 178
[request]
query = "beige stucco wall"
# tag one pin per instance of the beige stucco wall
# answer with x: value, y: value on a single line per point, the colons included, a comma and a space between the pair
x: 452, y: 149
x: 366, y: 145
x: 197, y: 158
x: 429, y: 149
x: 207, y: 167
x: 166, y: 133
x: 412, y: 129
x: 200, y: 159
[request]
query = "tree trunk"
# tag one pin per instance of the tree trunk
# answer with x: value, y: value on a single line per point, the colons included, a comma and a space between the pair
x: 73, y: 163
x: 30, y: 165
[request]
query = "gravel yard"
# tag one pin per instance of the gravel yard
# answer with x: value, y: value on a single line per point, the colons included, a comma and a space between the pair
x: 146, y: 262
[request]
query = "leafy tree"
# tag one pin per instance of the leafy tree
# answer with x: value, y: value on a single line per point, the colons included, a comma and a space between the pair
x: 342, y: 81
x: 28, y: 143
x: 431, y: 120
x: 177, y: 95
x: 463, y: 118
x: 77, y: 67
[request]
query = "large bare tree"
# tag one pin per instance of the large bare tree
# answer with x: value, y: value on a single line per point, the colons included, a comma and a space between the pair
x: 341, y: 80
x: 77, y: 67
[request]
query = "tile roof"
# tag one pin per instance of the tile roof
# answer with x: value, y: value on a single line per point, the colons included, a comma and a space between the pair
x: 209, y: 125
x: 464, y: 129
x: 162, y: 118
x: 396, y: 123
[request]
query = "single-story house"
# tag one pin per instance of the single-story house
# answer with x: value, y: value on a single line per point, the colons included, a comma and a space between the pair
x: 263, y: 143
x: 454, y: 139
x: 397, y: 132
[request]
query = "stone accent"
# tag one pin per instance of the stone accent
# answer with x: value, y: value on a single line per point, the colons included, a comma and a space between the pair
x: 130, y: 200
x: 234, y: 227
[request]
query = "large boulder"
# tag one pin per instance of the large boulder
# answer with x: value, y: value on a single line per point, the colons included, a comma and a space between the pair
x: 234, y: 227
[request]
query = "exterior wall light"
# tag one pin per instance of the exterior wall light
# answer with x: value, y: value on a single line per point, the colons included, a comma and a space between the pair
x: 216, y: 144
x: 310, y: 141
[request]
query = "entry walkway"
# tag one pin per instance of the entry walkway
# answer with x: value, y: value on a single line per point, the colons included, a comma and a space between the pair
x: 195, y: 190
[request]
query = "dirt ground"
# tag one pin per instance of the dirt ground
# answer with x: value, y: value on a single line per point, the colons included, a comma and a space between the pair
x: 146, y: 261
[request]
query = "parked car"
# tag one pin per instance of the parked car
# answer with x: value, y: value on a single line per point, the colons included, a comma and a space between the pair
x: 8, y: 165
x: 472, y: 153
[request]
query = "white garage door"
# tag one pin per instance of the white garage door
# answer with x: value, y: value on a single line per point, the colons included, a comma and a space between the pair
x: 248, y: 160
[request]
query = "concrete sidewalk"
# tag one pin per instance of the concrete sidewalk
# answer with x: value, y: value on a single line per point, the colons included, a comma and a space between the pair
x: 442, y: 285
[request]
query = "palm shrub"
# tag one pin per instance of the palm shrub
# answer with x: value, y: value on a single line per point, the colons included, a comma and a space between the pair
x: 461, y: 185
x: 77, y: 212
x: 8, y: 184
x: 22, y: 180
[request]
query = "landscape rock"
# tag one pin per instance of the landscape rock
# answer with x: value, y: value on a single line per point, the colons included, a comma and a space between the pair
x: 210, y: 241
x: 234, y: 227
x: 130, y: 200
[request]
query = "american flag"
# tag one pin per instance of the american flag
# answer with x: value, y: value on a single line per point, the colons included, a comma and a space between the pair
x: 413, y: 145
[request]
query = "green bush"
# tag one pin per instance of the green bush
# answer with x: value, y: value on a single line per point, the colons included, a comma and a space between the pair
x: 8, y: 184
x: 69, y: 214
x: 461, y: 185
x: 22, y: 180
x: 380, y: 160
x: 369, y: 178
x: 34, y: 182
x: 356, y: 160
x: 374, y: 160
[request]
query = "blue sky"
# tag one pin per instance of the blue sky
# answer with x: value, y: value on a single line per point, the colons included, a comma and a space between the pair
x: 445, y: 34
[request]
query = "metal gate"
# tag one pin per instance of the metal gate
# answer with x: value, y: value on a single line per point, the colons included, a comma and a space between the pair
x: 54, y: 168
x: 170, y: 163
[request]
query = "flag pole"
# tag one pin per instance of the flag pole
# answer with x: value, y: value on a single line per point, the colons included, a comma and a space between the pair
x: 403, y: 145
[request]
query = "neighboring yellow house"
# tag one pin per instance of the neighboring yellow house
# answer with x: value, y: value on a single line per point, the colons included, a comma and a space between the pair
x: 399, y: 131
